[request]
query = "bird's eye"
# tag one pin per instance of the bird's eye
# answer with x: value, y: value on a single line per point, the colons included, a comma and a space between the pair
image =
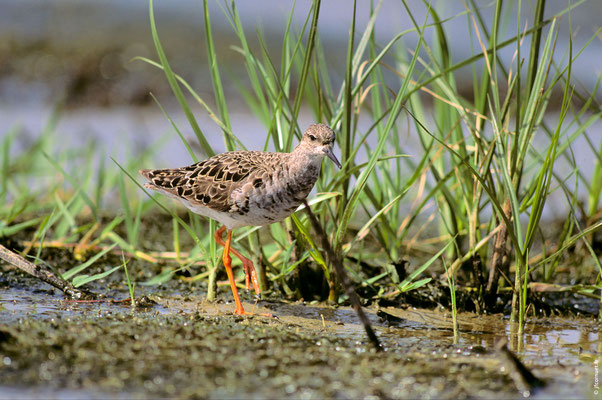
x: 312, y: 138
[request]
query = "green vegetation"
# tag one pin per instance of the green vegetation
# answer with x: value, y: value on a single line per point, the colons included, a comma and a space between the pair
x: 472, y: 187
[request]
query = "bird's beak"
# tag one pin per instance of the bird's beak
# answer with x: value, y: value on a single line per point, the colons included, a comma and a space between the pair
x: 330, y: 154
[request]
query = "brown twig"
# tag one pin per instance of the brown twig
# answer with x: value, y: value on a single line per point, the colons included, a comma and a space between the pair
x: 499, y: 260
x: 43, y: 274
x: 343, y: 278
x: 521, y: 375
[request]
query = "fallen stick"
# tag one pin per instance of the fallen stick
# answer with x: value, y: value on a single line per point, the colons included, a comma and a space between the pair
x: 43, y: 274
x: 344, y: 279
x: 522, y: 376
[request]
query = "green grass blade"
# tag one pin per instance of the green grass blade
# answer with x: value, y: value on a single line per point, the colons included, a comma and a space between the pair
x: 406, y: 284
x: 305, y: 70
x: 175, y: 127
x: 76, y: 270
x: 216, y: 80
x: 173, y: 83
x: 76, y: 185
x: 187, y: 227
x: 83, y: 279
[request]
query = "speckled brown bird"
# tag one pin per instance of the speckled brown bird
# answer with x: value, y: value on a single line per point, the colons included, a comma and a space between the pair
x: 243, y: 188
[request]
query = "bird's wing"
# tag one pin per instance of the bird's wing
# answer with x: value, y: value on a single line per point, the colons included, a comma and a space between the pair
x: 210, y: 182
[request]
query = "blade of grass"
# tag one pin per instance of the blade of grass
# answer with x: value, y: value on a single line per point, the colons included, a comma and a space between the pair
x: 406, y: 284
x: 76, y: 185
x: 83, y: 279
x: 216, y: 80
x: 78, y: 269
x: 129, y: 283
x: 175, y: 87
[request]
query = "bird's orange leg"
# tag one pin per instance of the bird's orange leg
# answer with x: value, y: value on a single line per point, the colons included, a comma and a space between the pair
x: 247, y: 265
x: 228, y: 265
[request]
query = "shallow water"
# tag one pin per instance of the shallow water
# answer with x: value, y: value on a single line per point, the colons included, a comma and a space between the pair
x: 69, y: 349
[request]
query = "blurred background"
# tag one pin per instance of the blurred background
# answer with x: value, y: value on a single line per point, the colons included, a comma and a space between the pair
x: 77, y: 55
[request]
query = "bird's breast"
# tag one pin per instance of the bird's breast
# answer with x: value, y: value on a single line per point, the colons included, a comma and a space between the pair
x: 278, y: 197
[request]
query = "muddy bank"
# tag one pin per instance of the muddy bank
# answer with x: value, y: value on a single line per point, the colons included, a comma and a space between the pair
x: 185, y: 347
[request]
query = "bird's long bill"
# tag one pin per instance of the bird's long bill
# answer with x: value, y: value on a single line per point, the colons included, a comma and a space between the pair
x: 331, y: 155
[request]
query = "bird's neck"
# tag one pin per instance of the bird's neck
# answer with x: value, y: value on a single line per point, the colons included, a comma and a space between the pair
x: 304, y: 163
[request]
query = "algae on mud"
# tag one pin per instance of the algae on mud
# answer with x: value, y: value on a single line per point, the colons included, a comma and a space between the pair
x: 200, y: 356
x: 184, y: 347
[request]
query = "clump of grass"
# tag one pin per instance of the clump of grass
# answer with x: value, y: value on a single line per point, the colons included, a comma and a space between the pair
x: 479, y: 165
x: 58, y: 197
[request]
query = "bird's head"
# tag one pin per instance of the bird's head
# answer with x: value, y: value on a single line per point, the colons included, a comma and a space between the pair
x: 318, y: 140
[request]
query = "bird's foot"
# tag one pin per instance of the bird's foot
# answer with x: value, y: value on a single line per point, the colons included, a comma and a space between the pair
x: 241, y: 311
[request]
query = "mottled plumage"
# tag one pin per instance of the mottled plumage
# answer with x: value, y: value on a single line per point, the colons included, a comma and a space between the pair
x: 242, y: 188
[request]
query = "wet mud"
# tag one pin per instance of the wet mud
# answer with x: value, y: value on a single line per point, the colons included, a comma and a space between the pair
x: 184, y: 347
